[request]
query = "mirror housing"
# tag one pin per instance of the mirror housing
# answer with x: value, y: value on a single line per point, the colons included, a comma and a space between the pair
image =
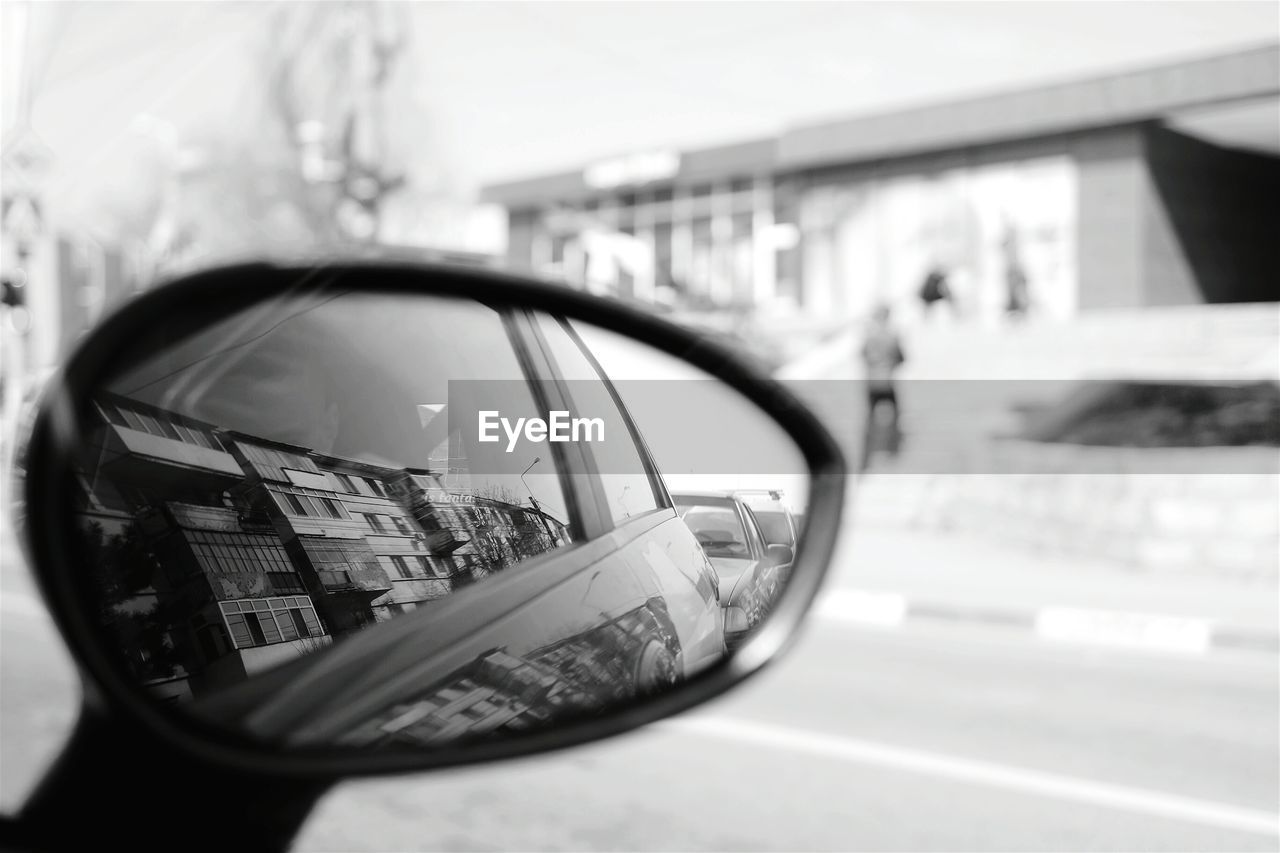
x: 49, y: 471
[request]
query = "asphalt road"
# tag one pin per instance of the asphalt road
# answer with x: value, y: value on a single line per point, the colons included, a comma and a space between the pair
x: 910, y: 738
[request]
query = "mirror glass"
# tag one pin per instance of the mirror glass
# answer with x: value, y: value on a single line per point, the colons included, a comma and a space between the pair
x: 389, y: 521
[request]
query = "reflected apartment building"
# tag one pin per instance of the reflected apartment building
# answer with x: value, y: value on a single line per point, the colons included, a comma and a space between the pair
x: 1148, y: 187
x: 222, y: 555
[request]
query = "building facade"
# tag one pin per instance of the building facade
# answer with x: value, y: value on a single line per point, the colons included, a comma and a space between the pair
x: 1159, y: 186
x: 221, y: 555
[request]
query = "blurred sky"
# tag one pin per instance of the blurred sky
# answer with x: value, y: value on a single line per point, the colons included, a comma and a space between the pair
x: 514, y: 89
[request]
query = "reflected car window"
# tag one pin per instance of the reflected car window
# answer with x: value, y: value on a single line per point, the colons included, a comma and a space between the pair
x: 717, y: 527
x: 627, y: 486
x: 774, y: 526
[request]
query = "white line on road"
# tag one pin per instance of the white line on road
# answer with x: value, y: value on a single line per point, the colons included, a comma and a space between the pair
x: 1136, y: 800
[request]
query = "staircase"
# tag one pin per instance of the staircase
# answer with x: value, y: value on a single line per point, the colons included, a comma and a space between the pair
x: 964, y: 384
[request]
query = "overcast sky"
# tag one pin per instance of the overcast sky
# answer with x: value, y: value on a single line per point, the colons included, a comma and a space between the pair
x: 516, y: 89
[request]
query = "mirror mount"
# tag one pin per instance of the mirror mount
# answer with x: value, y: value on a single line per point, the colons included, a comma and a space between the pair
x: 269, y: 808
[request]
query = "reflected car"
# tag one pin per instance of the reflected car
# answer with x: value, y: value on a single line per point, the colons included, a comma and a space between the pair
x: 777, y: 523
x: 750, y: 570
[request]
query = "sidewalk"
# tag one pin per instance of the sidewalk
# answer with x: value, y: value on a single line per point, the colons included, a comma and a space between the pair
x: 886, y: 574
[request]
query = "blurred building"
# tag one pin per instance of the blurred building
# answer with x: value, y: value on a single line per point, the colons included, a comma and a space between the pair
x: 1158, y: 186
x: 92, y: 278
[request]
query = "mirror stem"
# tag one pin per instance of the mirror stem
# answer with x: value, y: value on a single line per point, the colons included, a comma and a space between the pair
x: 119, y: 782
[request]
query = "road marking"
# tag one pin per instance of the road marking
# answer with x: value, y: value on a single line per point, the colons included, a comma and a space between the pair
x: 863, y: 606
x: 1119, y: 797
x: 1151, y: 631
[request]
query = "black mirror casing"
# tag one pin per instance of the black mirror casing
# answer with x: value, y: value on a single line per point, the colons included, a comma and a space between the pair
x: 50, y: 486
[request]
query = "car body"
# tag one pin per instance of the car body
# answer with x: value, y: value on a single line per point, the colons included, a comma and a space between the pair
x: 271, y: 548
x: 750, y: 575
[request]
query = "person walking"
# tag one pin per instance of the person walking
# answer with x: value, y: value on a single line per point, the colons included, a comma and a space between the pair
x: 935, y: 289
x: 1016, y: 285
x: 882, y: 355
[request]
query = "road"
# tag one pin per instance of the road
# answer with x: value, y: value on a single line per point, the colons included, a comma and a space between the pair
x: 919, y: 737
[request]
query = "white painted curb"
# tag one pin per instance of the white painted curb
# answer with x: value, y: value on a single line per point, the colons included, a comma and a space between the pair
x: 1080, y: 626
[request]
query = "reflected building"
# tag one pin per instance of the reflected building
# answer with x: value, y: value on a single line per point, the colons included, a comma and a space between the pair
x: 475, y: 535
x: 197, y: 585
x: 503, y: 692
x: 324, y: 539
x: 221, y: 554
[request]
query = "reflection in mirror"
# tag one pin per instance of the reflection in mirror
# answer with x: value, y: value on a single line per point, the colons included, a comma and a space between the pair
x: 378, y: 520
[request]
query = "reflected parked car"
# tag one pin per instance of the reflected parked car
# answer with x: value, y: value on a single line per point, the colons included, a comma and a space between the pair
x: 751, y: 571
x: 777, y: 523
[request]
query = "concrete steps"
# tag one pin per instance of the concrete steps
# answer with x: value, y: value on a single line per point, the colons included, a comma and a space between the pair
x: 963, y: 384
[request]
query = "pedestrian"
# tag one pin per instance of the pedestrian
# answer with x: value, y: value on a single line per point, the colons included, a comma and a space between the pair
x: 882, y: 355
x: 1019, y: 300
x: 1016, y: 284
x: 935, y: 289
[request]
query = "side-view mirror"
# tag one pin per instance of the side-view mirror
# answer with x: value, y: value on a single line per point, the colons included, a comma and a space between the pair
x: 779, y: 555
x: 297, y: 523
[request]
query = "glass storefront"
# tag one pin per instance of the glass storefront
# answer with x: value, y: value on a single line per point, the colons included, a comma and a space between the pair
x: 1002, y: 236
x: 693, y: 248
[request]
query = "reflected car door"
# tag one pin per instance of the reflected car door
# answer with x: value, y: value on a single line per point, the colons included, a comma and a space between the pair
x: 653, y: 542
x: 769, y: 575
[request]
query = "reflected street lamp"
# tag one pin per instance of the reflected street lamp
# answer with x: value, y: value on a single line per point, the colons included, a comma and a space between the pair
x: 551, y: 539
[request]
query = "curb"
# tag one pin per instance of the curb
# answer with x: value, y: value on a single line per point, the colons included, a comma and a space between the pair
x: 1158, y: 632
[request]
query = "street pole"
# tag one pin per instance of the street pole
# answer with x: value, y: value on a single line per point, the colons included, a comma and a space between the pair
x: 21, y: 214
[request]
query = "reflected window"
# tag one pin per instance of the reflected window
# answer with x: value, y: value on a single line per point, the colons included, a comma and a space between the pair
x: 402, y: 568
x: 716, y: 525
x: 624, y: 475
x: 254, y: 626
